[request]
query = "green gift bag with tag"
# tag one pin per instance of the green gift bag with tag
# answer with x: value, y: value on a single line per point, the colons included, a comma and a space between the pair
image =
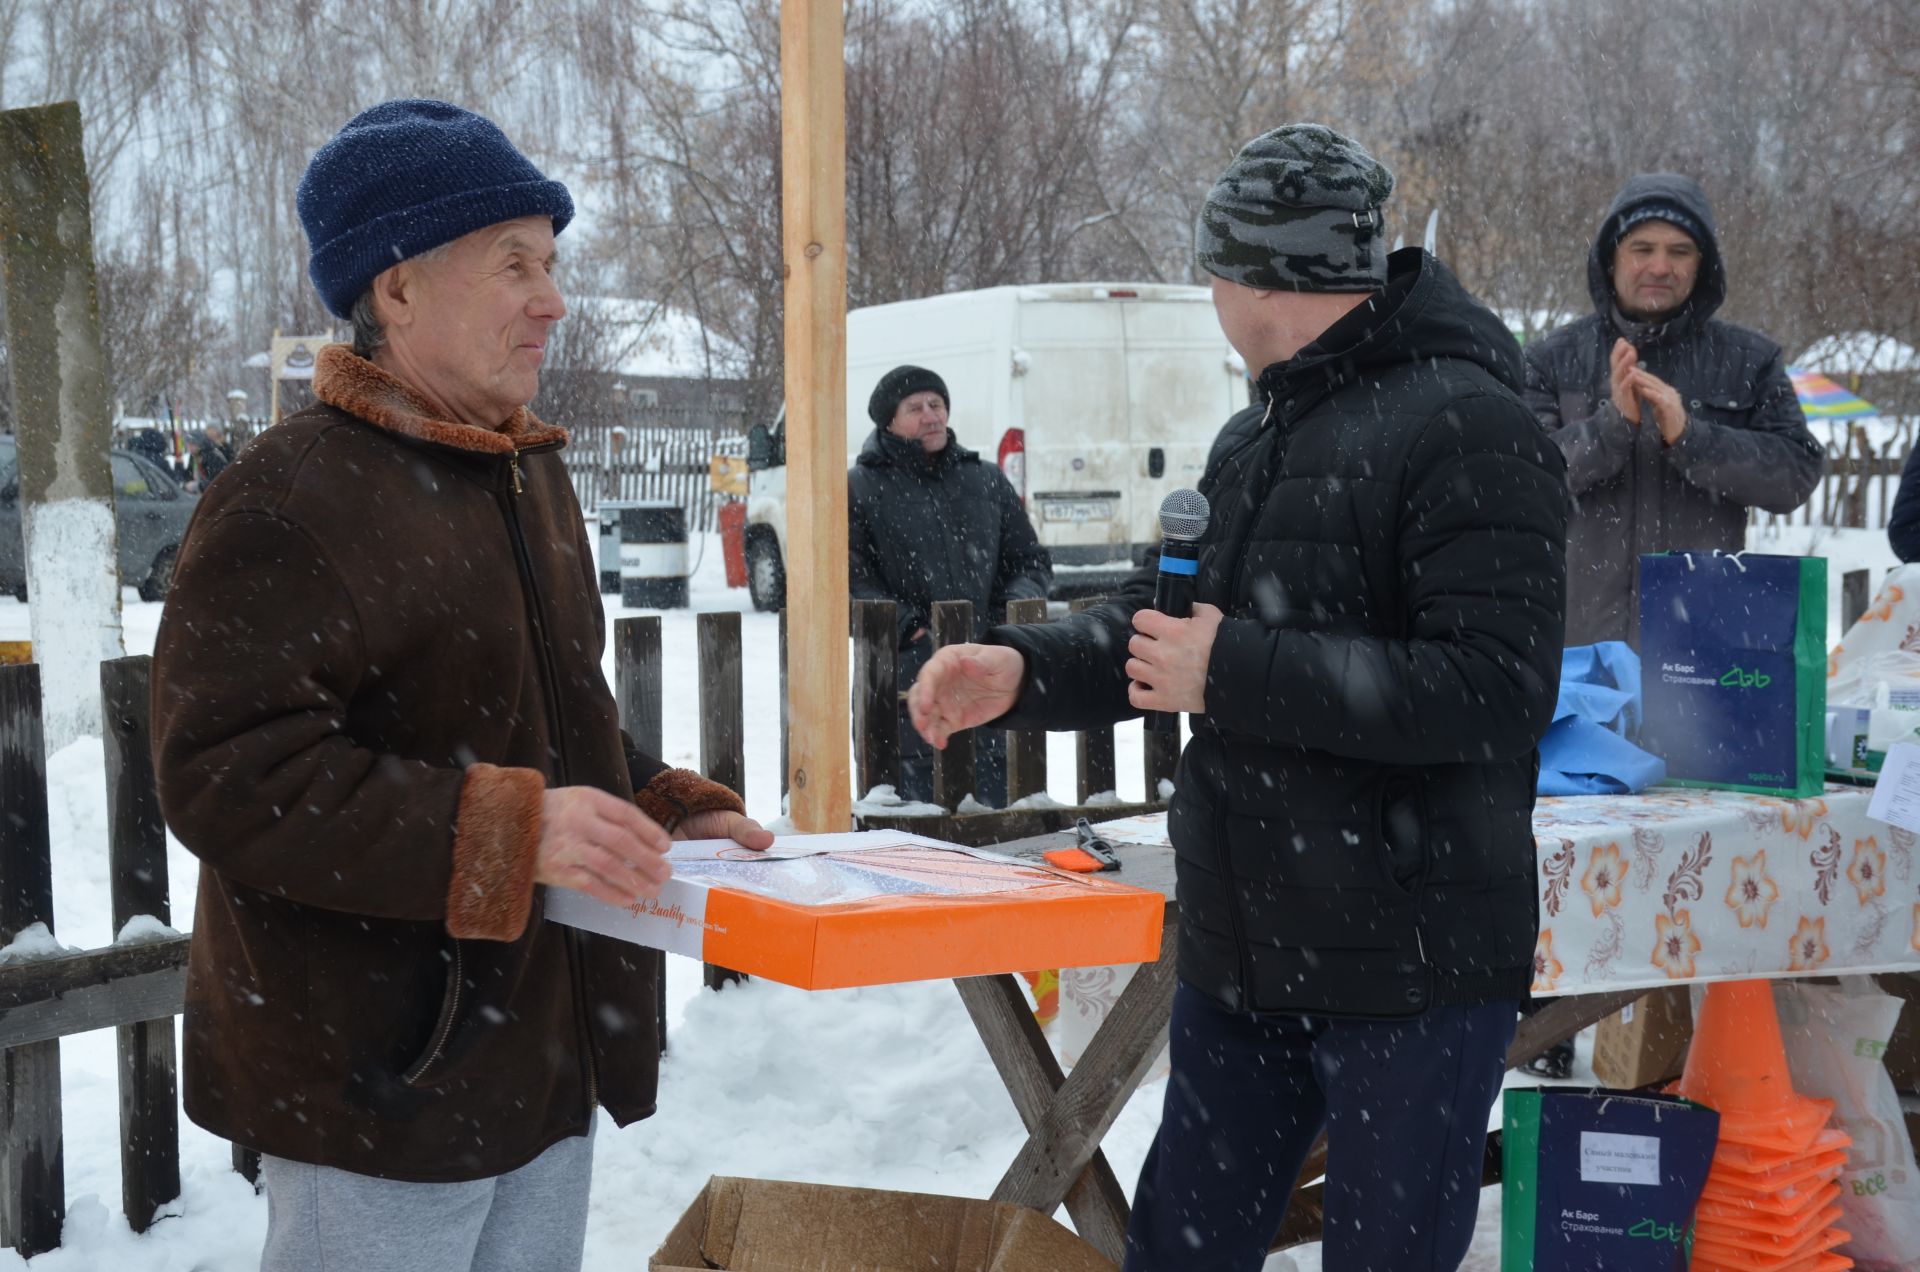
x: 1597, y: 1181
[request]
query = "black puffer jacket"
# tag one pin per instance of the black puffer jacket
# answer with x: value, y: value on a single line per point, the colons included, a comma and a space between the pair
x: 1746, y: 442
x: 945, y: 527
x: 1352, y: 819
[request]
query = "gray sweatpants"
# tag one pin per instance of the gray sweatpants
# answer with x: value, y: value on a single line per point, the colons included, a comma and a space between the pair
x: 534, y: 1219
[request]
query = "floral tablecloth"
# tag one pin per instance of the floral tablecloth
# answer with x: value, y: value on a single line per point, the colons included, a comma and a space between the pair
x: 1692, y: 885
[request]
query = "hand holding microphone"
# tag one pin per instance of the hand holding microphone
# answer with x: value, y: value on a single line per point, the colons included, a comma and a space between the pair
x: 1174, y: 639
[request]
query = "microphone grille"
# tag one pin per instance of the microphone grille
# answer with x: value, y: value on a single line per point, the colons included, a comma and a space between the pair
x: 1183, y: 515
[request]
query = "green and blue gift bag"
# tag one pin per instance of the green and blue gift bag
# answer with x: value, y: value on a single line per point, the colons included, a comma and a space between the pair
x: 1597, y: 1181
x: 1733, y: 653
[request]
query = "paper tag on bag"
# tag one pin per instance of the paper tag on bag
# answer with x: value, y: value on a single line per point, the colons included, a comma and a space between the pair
x: 1607, y: 1158
x: 1896, y: 796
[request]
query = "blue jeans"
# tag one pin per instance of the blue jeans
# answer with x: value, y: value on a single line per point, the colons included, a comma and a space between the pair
x: 1404, y: 1104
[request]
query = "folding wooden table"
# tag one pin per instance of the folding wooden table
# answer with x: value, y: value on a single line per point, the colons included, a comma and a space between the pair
x: 1067, y: 1115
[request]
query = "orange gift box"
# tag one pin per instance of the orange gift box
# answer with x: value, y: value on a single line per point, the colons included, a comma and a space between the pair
x: 876, y: 908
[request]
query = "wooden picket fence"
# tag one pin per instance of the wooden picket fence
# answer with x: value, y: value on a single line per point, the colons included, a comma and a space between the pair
x: 663, y: 463
x: 137, y: 988
x: 1857, y: 490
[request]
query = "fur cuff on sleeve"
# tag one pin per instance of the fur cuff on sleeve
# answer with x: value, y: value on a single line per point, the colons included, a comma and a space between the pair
x: 676, y: 794
x: 496, y: 841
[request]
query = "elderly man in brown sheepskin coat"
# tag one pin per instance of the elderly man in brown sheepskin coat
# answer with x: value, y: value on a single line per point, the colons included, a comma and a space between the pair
x: 381, y: 724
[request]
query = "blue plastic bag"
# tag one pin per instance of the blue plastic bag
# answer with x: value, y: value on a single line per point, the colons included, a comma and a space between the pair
x: 1587, y: 749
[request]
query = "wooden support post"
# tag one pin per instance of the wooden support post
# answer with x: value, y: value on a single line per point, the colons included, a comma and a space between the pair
x: 876, y: 695
x: 63, y: 411
x: 723, y: 756
x: 722, y: 703
x: 637, y: 672
x: 637, y: 694
x: 149, y: 1082
x: 813, y: 205
x: 953, y: 772
x: 1094, y: 747
x: 1856, y: 593
x: 33, y: 1190
x: 1026, y: 748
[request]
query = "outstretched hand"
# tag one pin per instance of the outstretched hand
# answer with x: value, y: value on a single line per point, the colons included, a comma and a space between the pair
x: 962, y: 687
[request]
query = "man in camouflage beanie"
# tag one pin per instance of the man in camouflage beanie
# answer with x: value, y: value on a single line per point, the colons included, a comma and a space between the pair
x: 1353, y: 847
x: 1299, y: 209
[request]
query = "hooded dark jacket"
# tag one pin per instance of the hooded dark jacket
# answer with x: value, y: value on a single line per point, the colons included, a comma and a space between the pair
x: 382, y: 647
x: 1352, y: 818
x: 1746, y: 443
x: 943, y: 527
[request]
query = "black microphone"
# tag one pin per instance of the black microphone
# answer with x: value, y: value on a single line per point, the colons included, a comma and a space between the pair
x: 1183, y: 519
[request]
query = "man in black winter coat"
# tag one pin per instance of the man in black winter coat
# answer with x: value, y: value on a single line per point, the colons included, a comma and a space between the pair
x: 928, y: 522
x: 1373, y: 656
x: 1673, y: 422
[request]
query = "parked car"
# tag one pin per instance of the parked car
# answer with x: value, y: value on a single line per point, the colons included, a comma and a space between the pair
x: 151, y: 512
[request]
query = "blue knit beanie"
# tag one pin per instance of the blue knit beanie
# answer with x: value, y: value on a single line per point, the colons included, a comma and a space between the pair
x: 404, y: 177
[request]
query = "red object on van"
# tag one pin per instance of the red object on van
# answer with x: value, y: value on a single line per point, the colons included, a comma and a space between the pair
x: 733, y: 540
x: 1013, y: 460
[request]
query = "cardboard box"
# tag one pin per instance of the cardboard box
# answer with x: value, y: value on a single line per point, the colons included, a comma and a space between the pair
x: 876, y: 908
x: 765, y: 1225
x: 1644, y: 1042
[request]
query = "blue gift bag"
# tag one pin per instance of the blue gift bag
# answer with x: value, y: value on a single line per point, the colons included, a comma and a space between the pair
x: 1597, y: 1181
x: 1733, y: 652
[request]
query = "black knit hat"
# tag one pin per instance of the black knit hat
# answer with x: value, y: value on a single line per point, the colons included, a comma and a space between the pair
x: 404, y: 177
x: 1658, y: 210
x: 899, y: 384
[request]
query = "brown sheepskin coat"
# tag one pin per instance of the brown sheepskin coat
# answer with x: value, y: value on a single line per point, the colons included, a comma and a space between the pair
x: 382, y: 647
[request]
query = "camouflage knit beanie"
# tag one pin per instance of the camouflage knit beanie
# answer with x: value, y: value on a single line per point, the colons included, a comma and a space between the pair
x: 1298, y: 210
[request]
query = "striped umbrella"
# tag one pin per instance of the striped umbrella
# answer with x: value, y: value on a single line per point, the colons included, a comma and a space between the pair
x: 1822, y: 399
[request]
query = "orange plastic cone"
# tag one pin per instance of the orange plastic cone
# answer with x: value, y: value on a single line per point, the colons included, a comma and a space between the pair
x: 1727, y: 1217
x: 1763, y: 1161
x: 1738, y: 1065
x: 1808, y: 1255
x: 1790, y: 1202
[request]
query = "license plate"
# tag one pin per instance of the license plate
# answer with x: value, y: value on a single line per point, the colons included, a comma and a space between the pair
x: 1076, y: 510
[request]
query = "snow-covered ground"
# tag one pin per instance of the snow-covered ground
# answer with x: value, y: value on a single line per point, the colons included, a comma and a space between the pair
x: 886, y: 1087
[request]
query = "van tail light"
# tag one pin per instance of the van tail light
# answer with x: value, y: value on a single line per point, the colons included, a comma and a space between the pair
x: 1013, y: 460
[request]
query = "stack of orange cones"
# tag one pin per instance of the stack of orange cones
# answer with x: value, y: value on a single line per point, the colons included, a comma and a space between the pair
x: 1773, y: 1194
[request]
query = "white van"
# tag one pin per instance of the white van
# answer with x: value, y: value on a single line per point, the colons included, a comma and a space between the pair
x: 1095, y: 400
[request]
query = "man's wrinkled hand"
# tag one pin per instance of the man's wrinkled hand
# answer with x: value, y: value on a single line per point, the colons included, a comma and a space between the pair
x: 962, y: 687
x: 1168, y: 665
x: 1625, y: 360
x: 601, y: 845
x: 721, y: 823
x: 1669, y: 412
